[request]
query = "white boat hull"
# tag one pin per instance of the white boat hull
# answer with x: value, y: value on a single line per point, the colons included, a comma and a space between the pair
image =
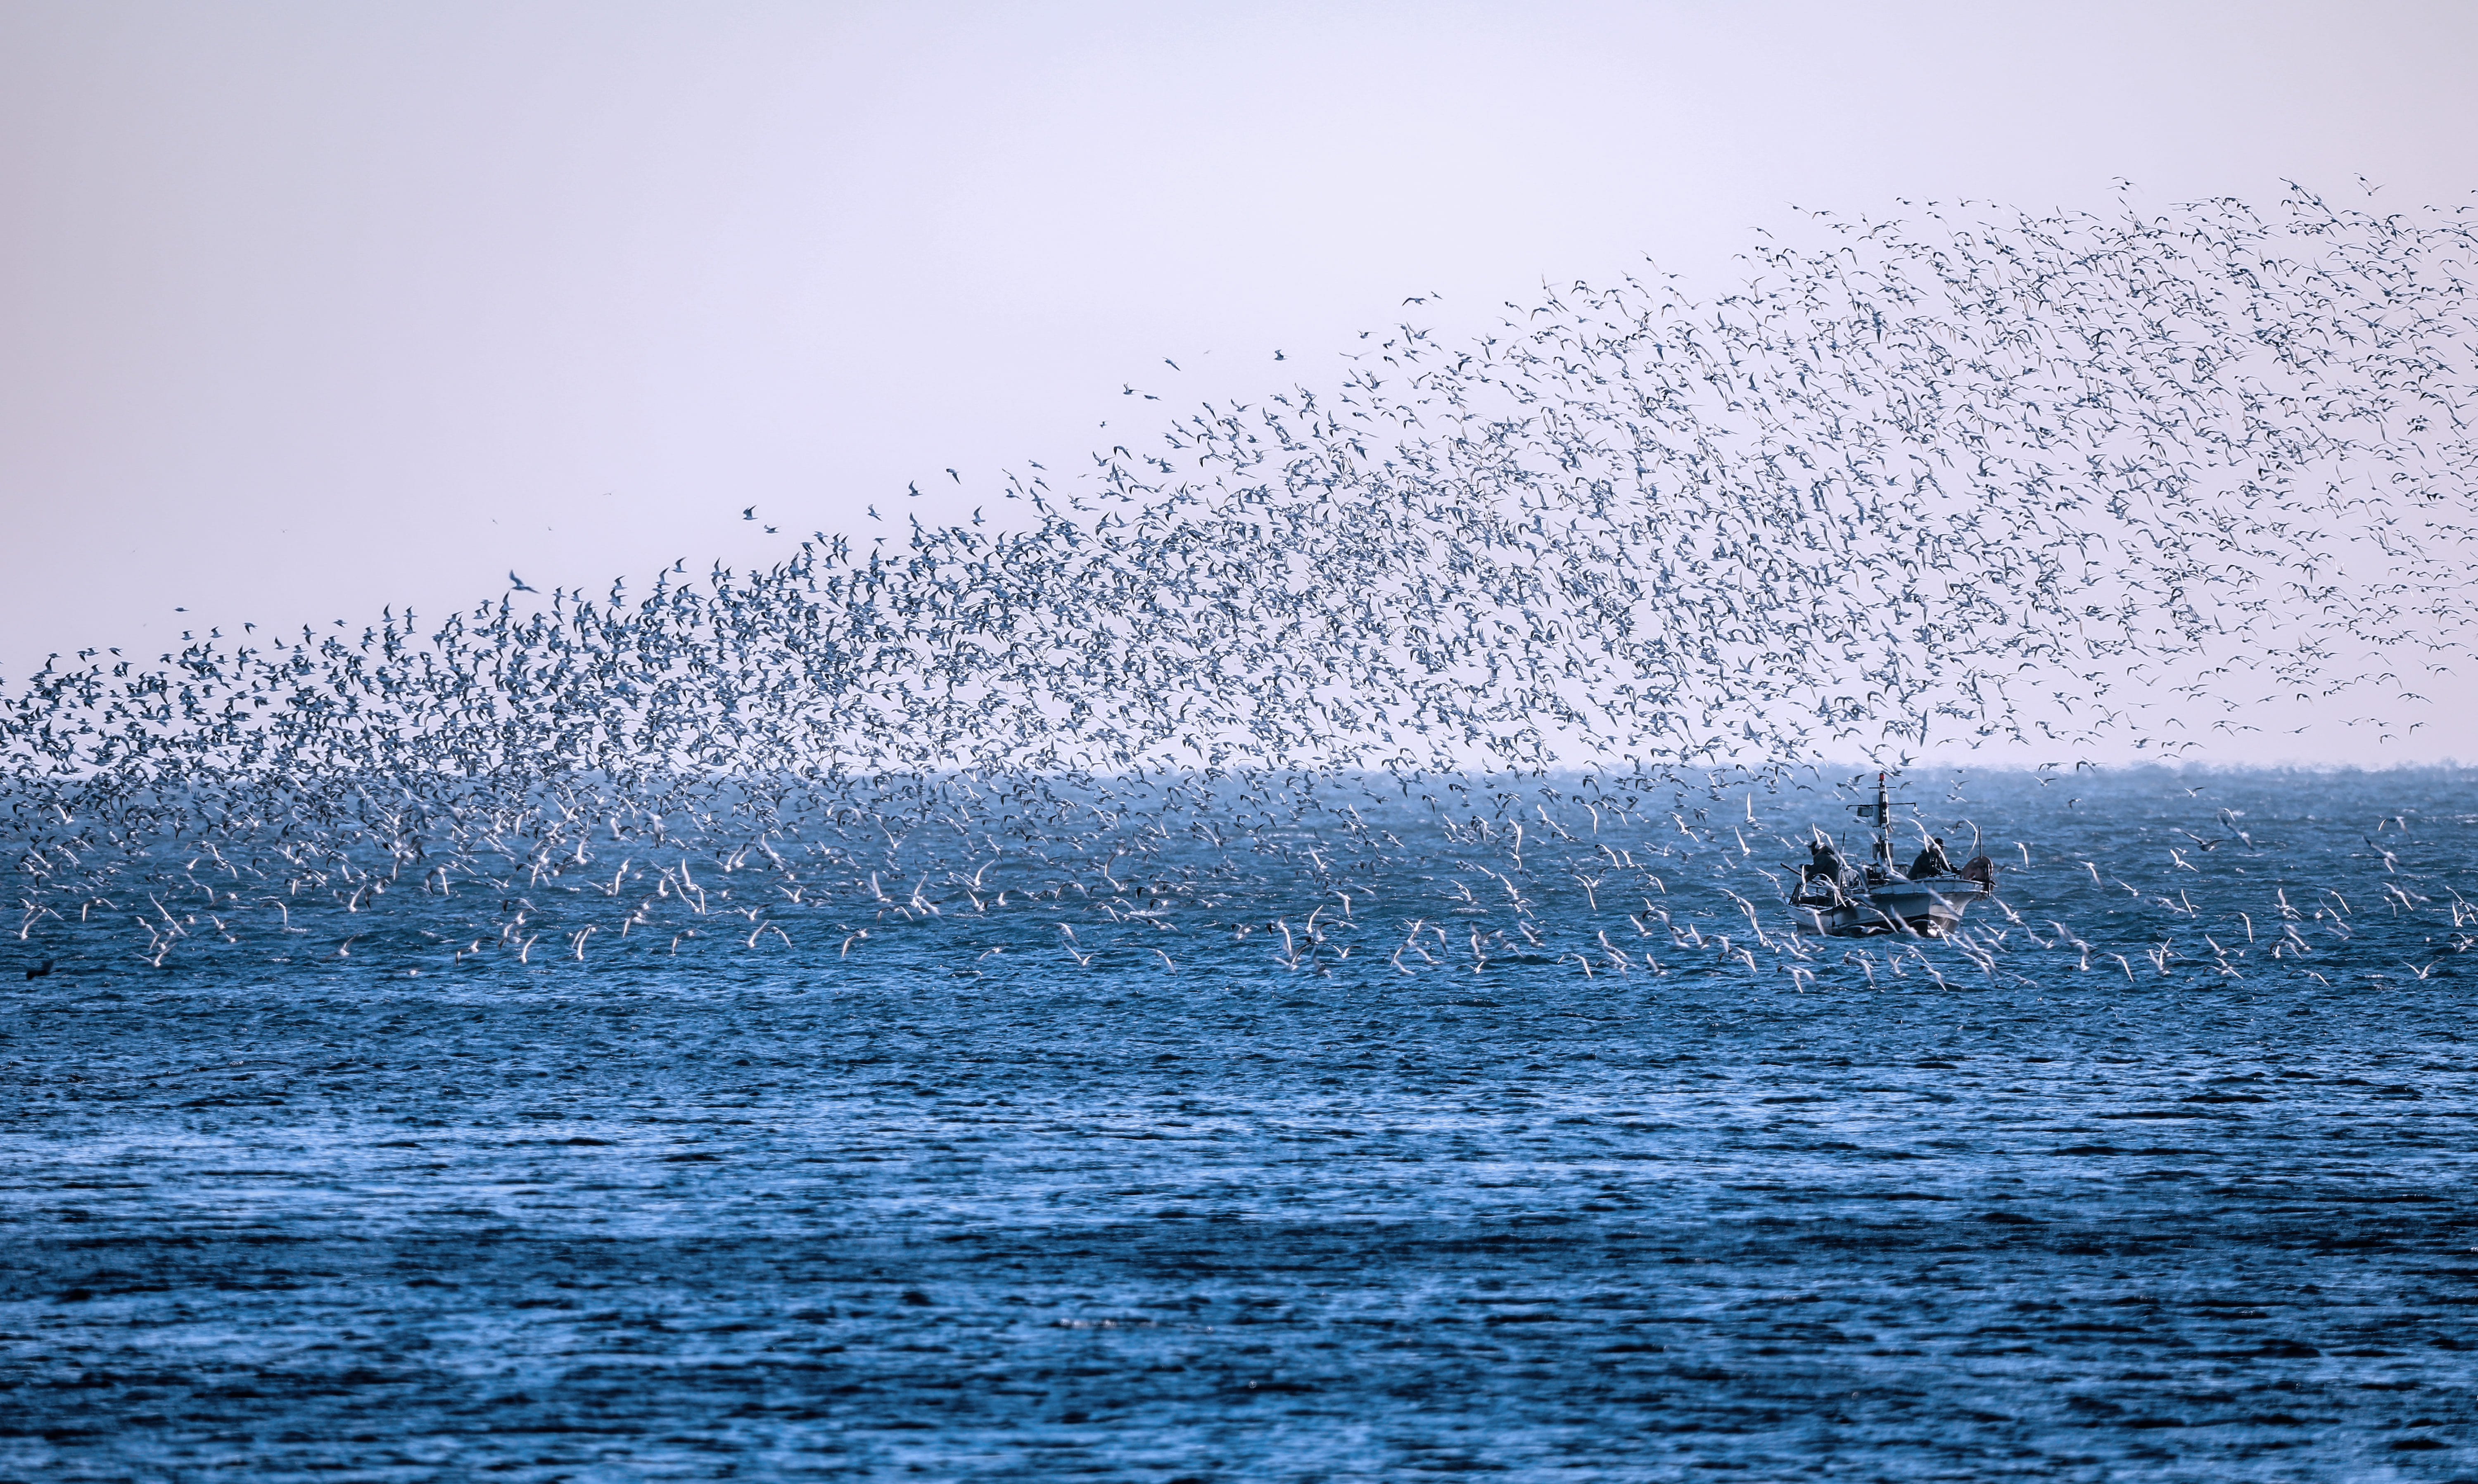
x: 1925, y: 908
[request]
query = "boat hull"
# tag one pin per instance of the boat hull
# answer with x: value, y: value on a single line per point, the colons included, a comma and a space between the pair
x: 1924, y: 909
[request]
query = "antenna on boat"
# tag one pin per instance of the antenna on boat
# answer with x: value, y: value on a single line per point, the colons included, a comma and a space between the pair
x: 1883, y: 810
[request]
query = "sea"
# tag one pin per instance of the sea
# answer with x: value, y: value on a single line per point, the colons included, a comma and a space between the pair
x: 1374, y: 1142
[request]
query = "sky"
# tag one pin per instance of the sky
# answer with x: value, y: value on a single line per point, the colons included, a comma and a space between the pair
x: 306, y: 308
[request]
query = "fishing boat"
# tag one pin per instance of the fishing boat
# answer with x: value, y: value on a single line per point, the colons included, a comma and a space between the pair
x: 1842, y: 900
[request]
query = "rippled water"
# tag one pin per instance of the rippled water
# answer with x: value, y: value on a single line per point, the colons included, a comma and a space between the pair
x: 1238, y: 1211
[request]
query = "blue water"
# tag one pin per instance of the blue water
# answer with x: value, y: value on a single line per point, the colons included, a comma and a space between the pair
x: 301, y: 1183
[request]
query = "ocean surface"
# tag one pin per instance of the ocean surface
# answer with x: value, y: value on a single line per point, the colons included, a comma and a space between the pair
x: 1267, y: 1147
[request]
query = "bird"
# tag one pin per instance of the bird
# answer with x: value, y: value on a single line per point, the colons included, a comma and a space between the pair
x: 514, y: 582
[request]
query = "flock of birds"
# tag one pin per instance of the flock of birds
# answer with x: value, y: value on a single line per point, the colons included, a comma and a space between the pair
x: 1980, y: 480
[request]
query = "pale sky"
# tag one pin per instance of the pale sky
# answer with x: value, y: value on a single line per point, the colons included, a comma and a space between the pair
x: 309, y: 306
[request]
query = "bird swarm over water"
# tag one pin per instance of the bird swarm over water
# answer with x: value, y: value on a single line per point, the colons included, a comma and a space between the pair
x: 1962, y: 480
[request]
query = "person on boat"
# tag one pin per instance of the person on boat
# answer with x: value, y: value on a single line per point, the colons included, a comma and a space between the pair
x: 1932, y: 862
x: 1825, y: 868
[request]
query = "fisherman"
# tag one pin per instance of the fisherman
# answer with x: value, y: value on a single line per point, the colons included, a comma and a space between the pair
x: 1824, y: 868
x: 1930, y: 862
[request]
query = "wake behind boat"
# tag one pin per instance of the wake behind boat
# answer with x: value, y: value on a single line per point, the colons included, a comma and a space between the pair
x: 1841, y: 900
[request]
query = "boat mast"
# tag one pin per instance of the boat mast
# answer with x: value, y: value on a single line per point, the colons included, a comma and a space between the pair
x: 1883, y: 825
